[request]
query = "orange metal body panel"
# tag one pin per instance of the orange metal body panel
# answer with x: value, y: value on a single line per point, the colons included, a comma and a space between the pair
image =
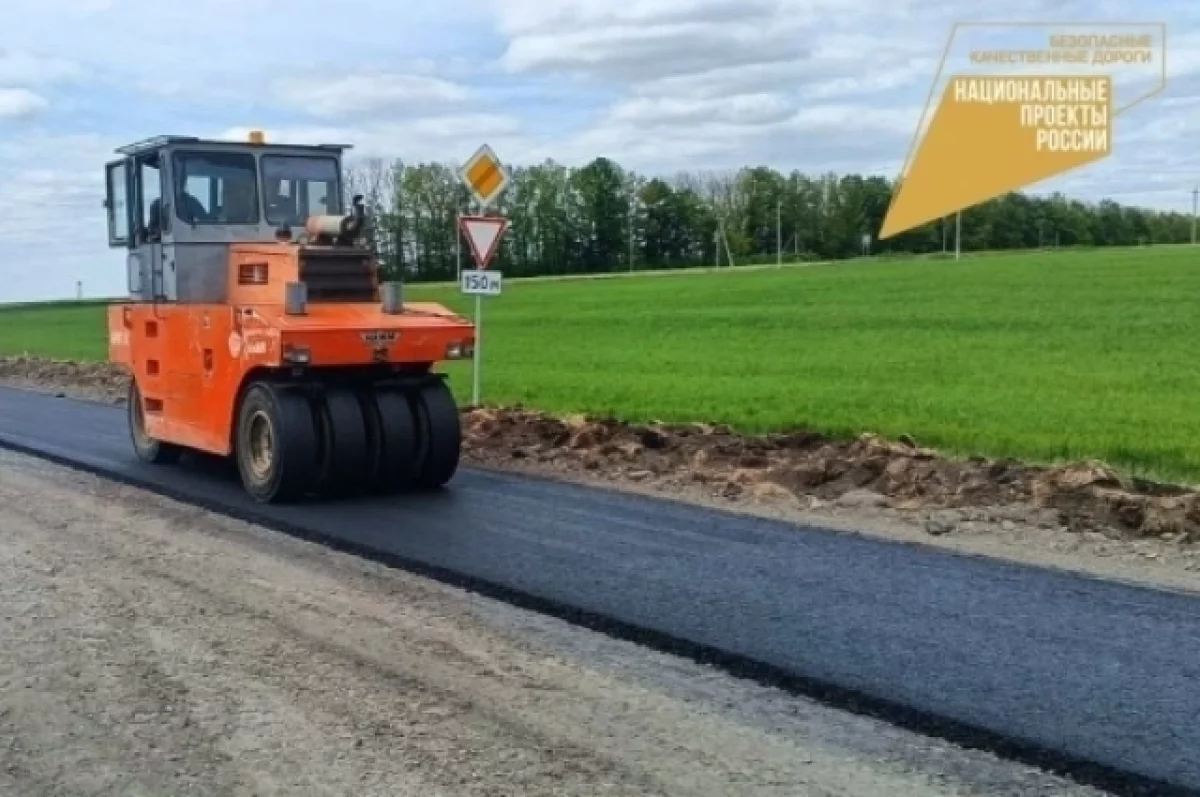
x: 191, y: 360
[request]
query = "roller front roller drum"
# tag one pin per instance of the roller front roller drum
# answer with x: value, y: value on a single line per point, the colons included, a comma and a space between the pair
x: 294, y: 442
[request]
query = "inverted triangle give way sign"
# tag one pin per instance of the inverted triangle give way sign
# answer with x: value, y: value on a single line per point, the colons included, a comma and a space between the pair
x: 483, y: 234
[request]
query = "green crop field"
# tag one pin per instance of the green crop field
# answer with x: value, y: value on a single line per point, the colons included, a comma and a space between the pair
x: 1043, y: 356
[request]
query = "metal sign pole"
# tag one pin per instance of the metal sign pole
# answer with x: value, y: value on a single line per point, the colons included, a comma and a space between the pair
x: 478, y: 348
x: 478, y: 338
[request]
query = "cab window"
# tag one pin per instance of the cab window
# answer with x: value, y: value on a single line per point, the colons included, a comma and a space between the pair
x: 118, y: 203
x: 216, y: 188
x: 150, y: 181
x: 296, y: 187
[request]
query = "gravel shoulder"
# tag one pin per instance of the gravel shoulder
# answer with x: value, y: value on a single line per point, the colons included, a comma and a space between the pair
x: 154, y: 648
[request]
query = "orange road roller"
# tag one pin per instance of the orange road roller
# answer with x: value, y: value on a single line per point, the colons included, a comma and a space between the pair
x: 258, y: 326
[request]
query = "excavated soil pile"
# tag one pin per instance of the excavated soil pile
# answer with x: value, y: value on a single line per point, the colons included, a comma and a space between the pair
x: 866, y: 472
x: 102, y: 381
x: 1086, y: 496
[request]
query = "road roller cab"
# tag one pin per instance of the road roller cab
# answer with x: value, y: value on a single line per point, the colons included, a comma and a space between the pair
x: 258, y: 327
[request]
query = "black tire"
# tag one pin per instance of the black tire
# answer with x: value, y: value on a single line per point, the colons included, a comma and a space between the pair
x: 277, y: 443
x: 347, y: 461
x: 439, y: 434
x: 147, y: 448
x: 394, y: 436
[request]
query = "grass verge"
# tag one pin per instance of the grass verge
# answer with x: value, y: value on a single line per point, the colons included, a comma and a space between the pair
x: 1044, y: 357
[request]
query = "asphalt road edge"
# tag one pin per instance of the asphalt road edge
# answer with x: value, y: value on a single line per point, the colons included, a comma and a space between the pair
x: 916, y: 720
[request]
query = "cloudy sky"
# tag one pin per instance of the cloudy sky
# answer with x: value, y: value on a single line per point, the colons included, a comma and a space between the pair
x: 659, y: 85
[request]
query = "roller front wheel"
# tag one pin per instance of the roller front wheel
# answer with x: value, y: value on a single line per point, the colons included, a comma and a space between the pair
x: 147, y: 448
x: 277, y: 444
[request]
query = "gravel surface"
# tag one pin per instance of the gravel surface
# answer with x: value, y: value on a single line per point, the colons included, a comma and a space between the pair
x: 150, y: 648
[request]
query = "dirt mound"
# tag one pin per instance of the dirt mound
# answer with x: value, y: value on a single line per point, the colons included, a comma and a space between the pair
x: 102, y: 381
x: 802, y: 468
x: 806, y: 466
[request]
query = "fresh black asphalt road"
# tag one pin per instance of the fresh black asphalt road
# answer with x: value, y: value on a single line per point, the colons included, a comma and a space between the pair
x: 1097, y: 671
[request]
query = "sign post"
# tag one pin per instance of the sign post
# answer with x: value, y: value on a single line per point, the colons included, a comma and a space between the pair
x: 486, y: 178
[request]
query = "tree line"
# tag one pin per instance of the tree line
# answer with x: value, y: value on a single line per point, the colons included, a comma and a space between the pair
x: 603, y: 218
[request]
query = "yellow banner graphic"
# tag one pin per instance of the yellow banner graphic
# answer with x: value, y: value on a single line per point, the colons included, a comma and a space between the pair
x: 992, y: 134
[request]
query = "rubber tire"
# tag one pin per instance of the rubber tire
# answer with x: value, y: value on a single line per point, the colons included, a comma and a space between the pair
x: 147, y: 449
x: 347, y: 461
x: 439, y: 434
x: 393, y: 432
x: 294, y: 467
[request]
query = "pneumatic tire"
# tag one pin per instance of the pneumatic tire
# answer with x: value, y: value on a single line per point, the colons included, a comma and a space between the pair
x: 277, y: 445
x: 393, y: 431
x: 147, y: 448
x: 347, y: 461
x: 439, y: 434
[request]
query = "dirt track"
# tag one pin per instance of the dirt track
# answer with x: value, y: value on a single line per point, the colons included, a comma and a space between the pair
x: 151, y: 648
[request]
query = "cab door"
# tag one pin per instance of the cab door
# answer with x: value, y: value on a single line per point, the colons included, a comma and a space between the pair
x: 120, y: 202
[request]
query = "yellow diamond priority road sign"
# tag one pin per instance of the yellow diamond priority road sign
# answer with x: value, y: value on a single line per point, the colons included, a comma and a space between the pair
x: 485, y: 176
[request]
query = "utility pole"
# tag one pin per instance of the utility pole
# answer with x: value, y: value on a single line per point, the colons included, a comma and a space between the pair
x: 632, y: 199
x: 958, y: 235
x: 719, y: 237
x: 1195, y: 193
x: 631, y: 237
x: 778, y: 233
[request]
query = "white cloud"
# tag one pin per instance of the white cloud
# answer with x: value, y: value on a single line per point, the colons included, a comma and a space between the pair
x: 19, y: 103
x: 367, y: 94
x: 645, y: 39
x: 856, y: 121
x: 741, y: 109
x: 52, y: 219
x: 25, y: 68
x: 445, y: 138
x: 1183, y: 54
x: 653, y: 40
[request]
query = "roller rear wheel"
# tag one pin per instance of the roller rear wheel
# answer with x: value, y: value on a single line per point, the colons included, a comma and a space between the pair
x: 439, y: 435
x: 277, y: 444
x: 147, y: 448
x: 347, y: 458
x: 393, y: 434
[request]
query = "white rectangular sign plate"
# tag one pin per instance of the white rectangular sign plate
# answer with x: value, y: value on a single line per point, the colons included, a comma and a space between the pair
x: 480, y: 282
